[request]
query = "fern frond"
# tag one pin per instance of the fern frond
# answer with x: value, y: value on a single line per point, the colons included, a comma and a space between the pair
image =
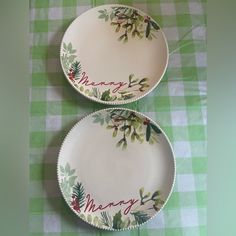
x: 79, y: 193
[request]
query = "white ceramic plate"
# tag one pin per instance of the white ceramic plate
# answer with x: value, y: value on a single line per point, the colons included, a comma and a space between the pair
x: 116, y: 169
x: 114, y: 54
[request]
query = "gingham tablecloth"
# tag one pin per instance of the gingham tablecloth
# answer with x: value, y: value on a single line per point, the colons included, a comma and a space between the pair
x: 178, y: 104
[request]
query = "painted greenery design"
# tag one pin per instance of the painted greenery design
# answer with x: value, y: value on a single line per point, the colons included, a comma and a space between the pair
x: 130, y: 22
x: 128, y: 126
x: 70, y: 65
x: 73, y: 70
x: 75, y: 196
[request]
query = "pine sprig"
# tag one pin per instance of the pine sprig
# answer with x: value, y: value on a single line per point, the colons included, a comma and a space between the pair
x: 106, y: 219
x: 140, y: 217
x: 76, y: 68
x: 79, y: 193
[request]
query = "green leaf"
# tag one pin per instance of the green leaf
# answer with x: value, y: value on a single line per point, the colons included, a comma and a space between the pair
x: 155, y: 128
x: 106, y: 18
x: 143, y: 80
x: 154, y: 25
x: 89, y: 218
x: 148, y: 132
x: 141, y: 190
x: 102, y: 16
x: 101, y: 11
x: 67, y: 168
x: 140, y: 217
x: 148, y: 29
x: 62, y: 169
x: 71, y: 58
x: 78, y: 191
x: 119, y: 143
x: 114, y: 134
x: 105, y: 95
x: 72, y: 180
x: 117, y: 220
x: 155, y: 194
x: 123, y: 128
x: 64, y: 46
x: 69, y: 47
x: 112, y: 15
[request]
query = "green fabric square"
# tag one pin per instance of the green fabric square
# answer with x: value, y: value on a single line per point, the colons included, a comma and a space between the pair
x: 55, y: 3
x: 58, y: 203
x: 187, y: 199
x: 54, y: 108
x: 199, y: 165
x: 162, y: 102
x: 187, y: 46
x: 173, y: 201
x: 38, y: 108
x: 184, y: 20
x: 36, y: 172
x: 198, y: 149
x: 36, y: 205
x: 68, y: 108
x: 193, y: 101
x: 57, y: 79
x: 184, y: 165
x: 168, y: 131
x: 37, y: 123
x: 201, y: 197
x: 180, y: 133
x: 41, y: 3
x: 39, y: 52
x: 196, y: 132
x: 38, y: 94
x: 39, y: 79
x: 173, y: 232
x: 177, y: 101
x: 190, y: 73
x: 203, y: 230
x: 56, y: 26
x: 181, y: 7
x: 41, y: 14
x: 55, y: 139
x: 37, y: 139
x: 41, y: 26
x: 69, y: 3
x: 147, y: 232
x: 168, y: 21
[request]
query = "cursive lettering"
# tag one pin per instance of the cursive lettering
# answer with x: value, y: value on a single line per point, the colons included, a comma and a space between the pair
x: 85, y: 81
x: 90, y: 205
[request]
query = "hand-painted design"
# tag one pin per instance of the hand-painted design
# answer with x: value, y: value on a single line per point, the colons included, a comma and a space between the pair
x: 130, y: 22
x: 134, y: 211
x: 67, y: 180
x: 119, y: 91
x: 128, y: 124
x: 70, y: 65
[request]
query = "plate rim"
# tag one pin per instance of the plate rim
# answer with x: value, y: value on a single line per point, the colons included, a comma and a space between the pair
x: 119, y: 102
x: 173, y: 157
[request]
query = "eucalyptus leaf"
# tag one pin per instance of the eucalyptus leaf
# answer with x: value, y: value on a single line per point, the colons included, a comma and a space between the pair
x: 148, y: 132
x: 148, y: 28
x: 155, y: 128
x: 154, y: 25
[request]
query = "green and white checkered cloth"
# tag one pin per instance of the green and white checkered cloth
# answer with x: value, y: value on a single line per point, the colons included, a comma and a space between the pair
x: 178, y: 104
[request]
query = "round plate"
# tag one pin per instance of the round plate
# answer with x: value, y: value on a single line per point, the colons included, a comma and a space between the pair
x: 116, y: 169
x: 114, y: 54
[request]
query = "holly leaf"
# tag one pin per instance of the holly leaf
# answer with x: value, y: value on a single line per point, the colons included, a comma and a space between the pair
x: 155, y: 194
x: 117, y: 220
x: 148, y: 132
x: 157, y: 130
x: 148, y: 29
x: 72, y: 180
x: 69, y: 47
x: 155, y: 25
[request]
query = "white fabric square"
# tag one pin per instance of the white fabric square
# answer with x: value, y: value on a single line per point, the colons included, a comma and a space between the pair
x: 182, y: 149
x: 195, y: 8
x: 158, y: 222
x: 201, y: 59
x: 51, y: 223
x: 199, y: 33
x: 53, y: 123
x: 179, y: 118
x: 168, y: 8
x: 185, y: 183
x: 82, y: 9
x: 55, y: 13
x: 189, y: 217
x: 176, y: 88
x: 54, y: 93
x: 32, y: 14
x: 202, y: 85
x: 171, y: 33
x: 175, y: 60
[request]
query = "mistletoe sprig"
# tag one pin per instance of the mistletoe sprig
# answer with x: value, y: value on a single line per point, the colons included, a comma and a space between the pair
x: 147, y: 197
x: 129, y: 126
x: 130, y: 22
